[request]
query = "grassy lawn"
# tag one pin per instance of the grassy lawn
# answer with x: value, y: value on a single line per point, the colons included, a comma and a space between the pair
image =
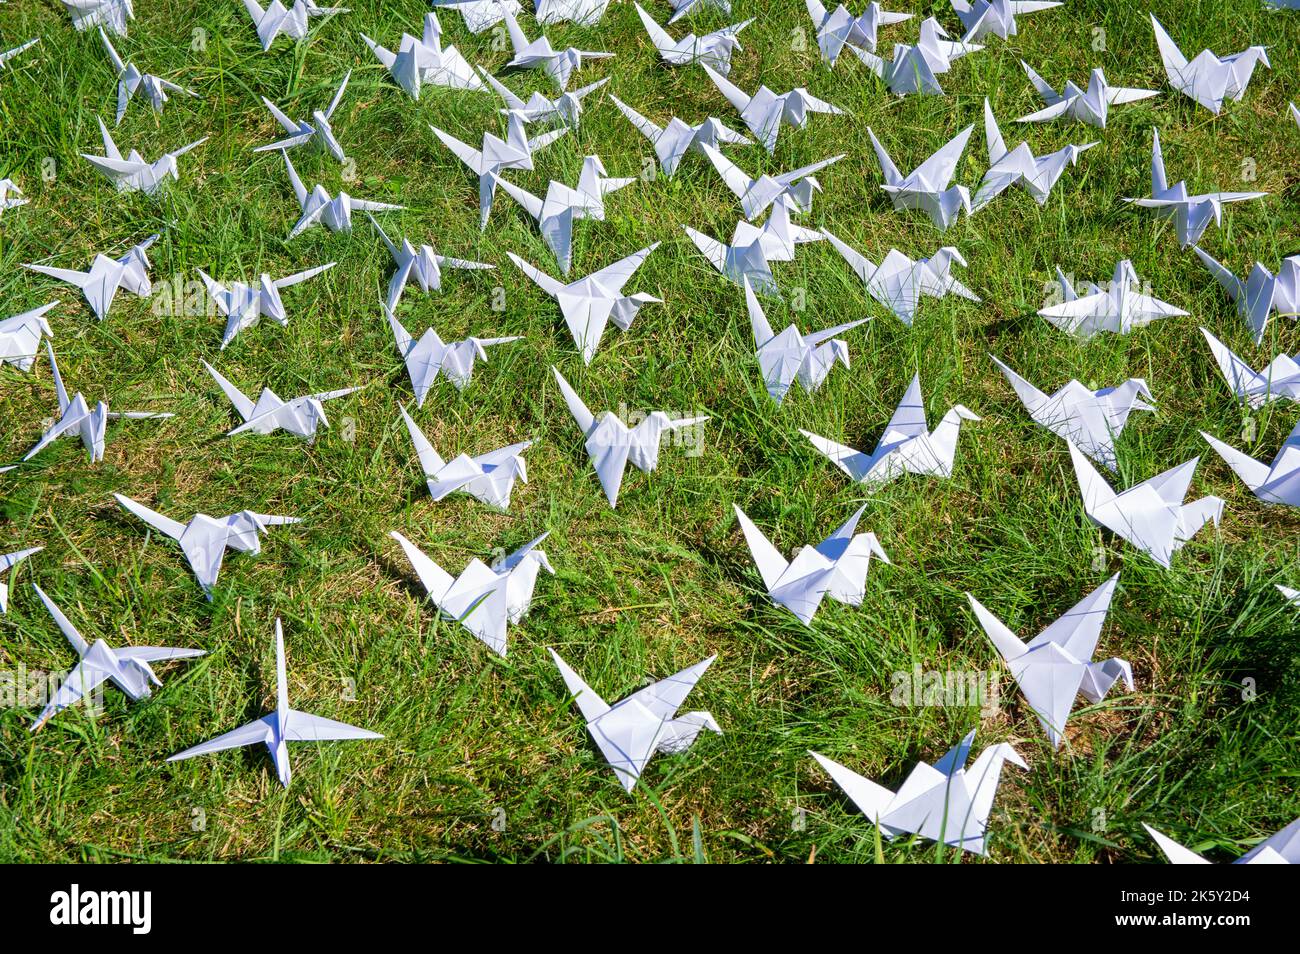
x: 486, y: 758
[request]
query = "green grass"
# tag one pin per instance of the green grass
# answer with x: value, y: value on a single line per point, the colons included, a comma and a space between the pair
x: 665, y: 580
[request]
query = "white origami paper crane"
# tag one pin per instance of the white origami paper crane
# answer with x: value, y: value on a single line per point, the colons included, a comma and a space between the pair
x: 418, y: 62
x: 1280, y: 378
x: 483, y: 598
x: 1019, y: 166
x: 556, y: 213
x: 134, y: 173
x: 130, y: 81
x: 765, y: 111
x: 423, y: 266
x: 629, y: 732
x: 790, y: 355
x: 584, y: 12
x: 672, y: 142
x: 7, y: 562
x: 590, y: 303
x: 20, y: 337
x: 291, y: 21
x: 1150, y: 515
x: 429, y: 356
x: 488, y: 477
x: 1208, y: 79
x: 204, y: 540
x: 127, y: 668
x: 1282, y: 848
x: 945, y: 802
x: 320, y: 208
x: 1056, y: 665
x: 1089, y: 106
x: 611, y: 443
x: 907, y: 446
x: 837, y: 567
x: 1091, y: 420
x: 113, y: 14
x: 8, y: 189
x: 245, y: 305
x: 300, y: 416
x: 838, y: 28
x: 514, y: 152
x: 479, y: 15
x: 916, y: 69
x: 1191, y: 213
x: 983, y: 18
x: 76, y: 416
x: 1291, y: 596
x: 1262, y: 293
x: 927, y: 186
x: 107, y: 275
x: 713, y: 49
x: 757, y: 194
x: 1117, y: 306
x: 280, y: 727
x: 899, y: 283
x: 317, y: 129
x: 1278, y: 483
x: 565, y: 109
x: 539, y: 55
x: 9, y: 54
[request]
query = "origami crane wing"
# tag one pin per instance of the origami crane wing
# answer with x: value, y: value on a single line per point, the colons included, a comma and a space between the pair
x: 767, y: 558
x: 848, y: 459
x: 401, y: 336
x: 1079, y: 629
x: 909, y: 417
x: 937, y: 171
x: 666, y: 696
x: 259, y: 730
x: 735, y: 178
x: 299, y: 190
x: 59, y: 389
x: 149, y: 654
x: 644, y: 126
x: 241, y: 401
x: 581, y: 413
x: 435, y: 580
x: 430, y: 461
x: 164, y: 525
x: 871, y: 799
x: 1254, y: 304
x: 78, y: 641
x: 613, y: 277
x: 589, y: 702
x: 304, y: 727
x: 302, y: 276
x: 551, y: 286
